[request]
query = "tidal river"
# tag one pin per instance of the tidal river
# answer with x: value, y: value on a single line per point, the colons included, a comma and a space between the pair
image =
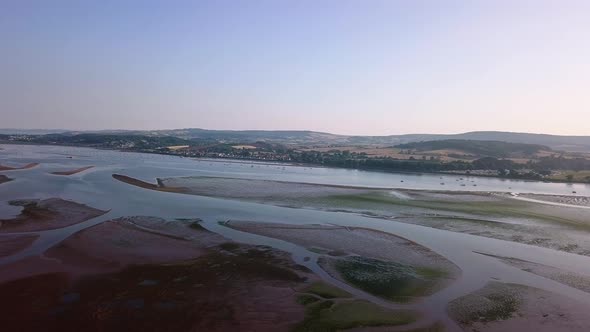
x: 98, y: 189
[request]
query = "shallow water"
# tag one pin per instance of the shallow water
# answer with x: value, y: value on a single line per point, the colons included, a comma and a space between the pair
x: 97, y: 188
x: 143, y: 165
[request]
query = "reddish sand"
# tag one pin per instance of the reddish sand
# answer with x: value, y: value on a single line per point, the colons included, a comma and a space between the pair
x: 8, y: 168
x: 118, y: 243
x: 71, y: 172
x: 11, y: 244
x: 150, y: 275
x: 47, y: 214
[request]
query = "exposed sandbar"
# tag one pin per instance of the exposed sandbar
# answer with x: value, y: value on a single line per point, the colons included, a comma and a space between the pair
x: 134, y: 240
x: 10, y: 168
x: 146, y: 185
x: 561, y: 199
x: 575, y: 280
x: 71, y: 172
x: 52, y: 213
x: 350, y: 252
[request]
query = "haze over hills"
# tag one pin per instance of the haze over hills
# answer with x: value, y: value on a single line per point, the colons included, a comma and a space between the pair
x: 556, y: 142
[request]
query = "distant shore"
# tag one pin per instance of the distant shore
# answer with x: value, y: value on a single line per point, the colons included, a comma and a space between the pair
x: 290, y: 163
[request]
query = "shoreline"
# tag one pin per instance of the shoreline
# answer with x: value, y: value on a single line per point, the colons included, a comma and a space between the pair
x: 288, y: 163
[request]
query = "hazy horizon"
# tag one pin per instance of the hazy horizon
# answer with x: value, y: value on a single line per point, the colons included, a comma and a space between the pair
x: 343, y: 67
x: 270, y: 130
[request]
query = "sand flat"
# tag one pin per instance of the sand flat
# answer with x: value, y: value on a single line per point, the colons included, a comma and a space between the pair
x: 11, y: 244
x: 500, y: 307
x: 52, y: 213
x: 73, y: 171
x: 11, y: 168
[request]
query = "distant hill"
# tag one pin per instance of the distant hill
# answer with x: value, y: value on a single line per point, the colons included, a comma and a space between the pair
x: 10, y: 131
x: 496, y: 149
x: 563, y: 143
x: 313, y: 138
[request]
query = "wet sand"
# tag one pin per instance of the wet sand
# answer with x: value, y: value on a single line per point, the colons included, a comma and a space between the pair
x: 146, y: 185
x: 110, y: 246
x: 214, y: 292
x: 575, y: 280
x: 347, y: 245
x: 494, y: 215
x: 52, y: 213
x: 11, y: 244
x: 121, y: 242
x: 10, y: 168
x: 509, y: 307
x: 562, y: 199
x: 257, y: 189
x: 73, y: 171
x: 150, y: 274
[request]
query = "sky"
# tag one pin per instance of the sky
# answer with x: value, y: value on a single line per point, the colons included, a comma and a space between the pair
x: 362, y: 67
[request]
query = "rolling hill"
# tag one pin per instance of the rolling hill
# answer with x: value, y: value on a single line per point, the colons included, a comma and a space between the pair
x: 497, y: 149
x: 302, y: 137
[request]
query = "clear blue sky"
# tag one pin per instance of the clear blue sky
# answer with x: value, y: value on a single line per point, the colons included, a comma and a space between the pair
x: 352, y: 67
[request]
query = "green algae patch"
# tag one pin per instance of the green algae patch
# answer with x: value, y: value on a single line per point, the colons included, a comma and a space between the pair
x: 306, y: 299
x: 326, y: 291
x: 494, y: 302
x: 389, y: 280
x: 334, y: 316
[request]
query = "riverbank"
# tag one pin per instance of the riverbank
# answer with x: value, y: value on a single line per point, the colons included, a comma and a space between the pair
x: 548, y: 179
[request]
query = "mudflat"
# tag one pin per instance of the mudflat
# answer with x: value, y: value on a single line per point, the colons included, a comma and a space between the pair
x: 149, y: 274
x: 511, y: 307
x: 52, y: 213
x: 379, y: 263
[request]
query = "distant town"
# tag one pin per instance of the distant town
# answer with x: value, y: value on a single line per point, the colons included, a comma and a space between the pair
x: 457, y: 156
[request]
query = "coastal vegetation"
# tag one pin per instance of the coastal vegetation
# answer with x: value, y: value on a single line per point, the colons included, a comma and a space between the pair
x: 497, y: 149
x: 494, y: 302
x: 326, y: 291
x: 331, y: 316
x: 389, y: 280
x: 462, y: 156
